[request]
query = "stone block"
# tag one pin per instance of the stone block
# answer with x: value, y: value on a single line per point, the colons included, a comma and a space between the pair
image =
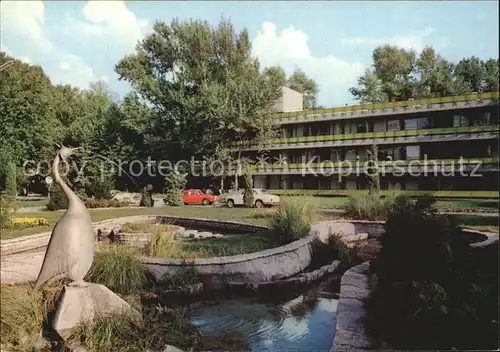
x: 78, y: 304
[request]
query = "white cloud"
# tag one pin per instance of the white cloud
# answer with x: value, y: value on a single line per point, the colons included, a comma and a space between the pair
x: 23, y: 21
x: 23, y: 30
x: 415, y: 41
x: 290, y: 49
x: 107, y: 23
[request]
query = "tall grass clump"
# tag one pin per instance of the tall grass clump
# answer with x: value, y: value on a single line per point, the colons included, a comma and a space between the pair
x: 163, y: 244
x: 118, y: 268
x: 124, y: 332
x: 293, y: 219
x: 369, y: 206
x: 24, y: 313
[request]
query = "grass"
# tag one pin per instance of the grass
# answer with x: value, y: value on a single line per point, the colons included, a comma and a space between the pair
x: 369, y: 206
x: 123, y: 332
x: 24, y: 313
x: 480, y: 223
x: 118, y: 268
x: 293, y: 219
x: 163, y: 243
x: 235, y: 214
x: 459, y: 203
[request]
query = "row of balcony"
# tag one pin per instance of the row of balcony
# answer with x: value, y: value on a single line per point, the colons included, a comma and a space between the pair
x: 385, y: 163
x: 388, y: 134
x: 392, y: 105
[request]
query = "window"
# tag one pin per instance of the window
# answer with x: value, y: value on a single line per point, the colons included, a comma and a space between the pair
x: 412, y: 152
x: 411, y: 124
x: 423, y: 122
x: 460, y: 120
x: 361, y: 128
x: 393, y: 125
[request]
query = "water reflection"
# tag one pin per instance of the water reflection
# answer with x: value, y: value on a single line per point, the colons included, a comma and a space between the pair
x: 306, y: 322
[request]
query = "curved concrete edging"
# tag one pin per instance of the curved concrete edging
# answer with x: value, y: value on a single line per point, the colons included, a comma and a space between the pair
x: 350, y: 332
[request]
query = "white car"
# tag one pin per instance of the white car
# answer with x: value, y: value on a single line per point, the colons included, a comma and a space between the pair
x: 261, y: 198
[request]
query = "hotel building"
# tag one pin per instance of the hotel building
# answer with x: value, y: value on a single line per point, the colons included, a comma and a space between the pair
x: 438, y: 144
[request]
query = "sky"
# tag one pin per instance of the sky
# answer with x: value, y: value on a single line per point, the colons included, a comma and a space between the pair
x: 331, y: 41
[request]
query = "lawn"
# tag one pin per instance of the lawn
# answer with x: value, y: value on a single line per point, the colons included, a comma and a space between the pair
x: 455, y: 204
x: 235, y: 214
x: 222, y: 213
x: 189, y: 248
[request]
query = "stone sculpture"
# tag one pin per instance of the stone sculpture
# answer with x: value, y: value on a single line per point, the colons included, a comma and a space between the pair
x: 71, y: 246
x: 70, y: 254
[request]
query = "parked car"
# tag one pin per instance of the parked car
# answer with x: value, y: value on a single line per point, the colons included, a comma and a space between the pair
x: 261, y: 198
x: 196, y: 196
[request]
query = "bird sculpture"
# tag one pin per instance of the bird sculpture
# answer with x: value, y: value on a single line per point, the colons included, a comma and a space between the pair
x: 70, y: 251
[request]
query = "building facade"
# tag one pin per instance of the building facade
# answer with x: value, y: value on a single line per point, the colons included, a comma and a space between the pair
x: 440, y: 144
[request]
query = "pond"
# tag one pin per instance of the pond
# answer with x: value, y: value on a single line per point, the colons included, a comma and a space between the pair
x: 302, y: 322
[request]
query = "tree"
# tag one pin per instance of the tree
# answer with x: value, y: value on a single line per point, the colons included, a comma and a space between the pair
x: 373, y: 175
x: 175, y: 180
x: 29, y: 127
x: 369, y: 90
x: 204, y: 88
x: 276, y: 73
x: 491, y: 68
x: 471, y: 70
x: 299, y: 82
x: 399, y: 74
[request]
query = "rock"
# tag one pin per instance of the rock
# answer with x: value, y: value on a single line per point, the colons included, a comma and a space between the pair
x: 355, y: 238
x: 81, y: 303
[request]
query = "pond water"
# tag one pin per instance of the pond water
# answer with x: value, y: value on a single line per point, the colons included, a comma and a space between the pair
x: 304, y: 322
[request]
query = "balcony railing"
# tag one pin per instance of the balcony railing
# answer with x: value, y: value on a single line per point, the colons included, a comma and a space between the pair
x: 352, y: 163
x: 379, y: 106
x: 388, y: 134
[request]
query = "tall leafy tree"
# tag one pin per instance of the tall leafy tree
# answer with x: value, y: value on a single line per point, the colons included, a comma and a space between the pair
x: 369, y: 89
x: 28, y: 127
x: 204, y: 88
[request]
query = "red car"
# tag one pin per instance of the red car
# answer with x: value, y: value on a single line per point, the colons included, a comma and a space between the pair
x: 196, y: 196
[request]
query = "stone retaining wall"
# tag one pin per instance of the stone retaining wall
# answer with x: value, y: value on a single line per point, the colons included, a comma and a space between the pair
x: 350, y: 332
x: 221, y: 225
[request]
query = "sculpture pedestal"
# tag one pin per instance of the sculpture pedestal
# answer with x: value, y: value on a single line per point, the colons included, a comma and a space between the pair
x: 78, y: 304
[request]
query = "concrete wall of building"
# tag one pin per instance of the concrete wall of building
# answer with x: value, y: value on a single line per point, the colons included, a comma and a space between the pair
x: 290, y: 100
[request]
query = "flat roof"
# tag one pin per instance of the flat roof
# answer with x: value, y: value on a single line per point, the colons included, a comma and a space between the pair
x: 379, y: 106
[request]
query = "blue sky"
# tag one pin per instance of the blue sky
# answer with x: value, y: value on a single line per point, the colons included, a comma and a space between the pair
x: 80, y: 42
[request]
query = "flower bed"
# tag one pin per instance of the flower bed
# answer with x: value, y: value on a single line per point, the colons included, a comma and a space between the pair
x: 29, y: 222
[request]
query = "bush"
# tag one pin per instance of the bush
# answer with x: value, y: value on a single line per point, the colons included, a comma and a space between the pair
x: 293, y: 219
x: 100, y: 189
x: 174, y: 181
x: 6, y: 211
x: 147, y: 197
x: 118, y: 268
x: 57, y: 199
x: 369, y: 206
x: 104, y: 203
x: 428, y: 290
x: 29, y: 222
x: 11, y: 180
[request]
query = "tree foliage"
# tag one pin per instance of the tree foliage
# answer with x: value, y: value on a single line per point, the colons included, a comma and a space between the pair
x: 400, y: 74
x: 204, y: 87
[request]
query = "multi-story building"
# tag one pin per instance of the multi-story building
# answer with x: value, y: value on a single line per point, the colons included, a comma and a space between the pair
x: 438, y: 144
